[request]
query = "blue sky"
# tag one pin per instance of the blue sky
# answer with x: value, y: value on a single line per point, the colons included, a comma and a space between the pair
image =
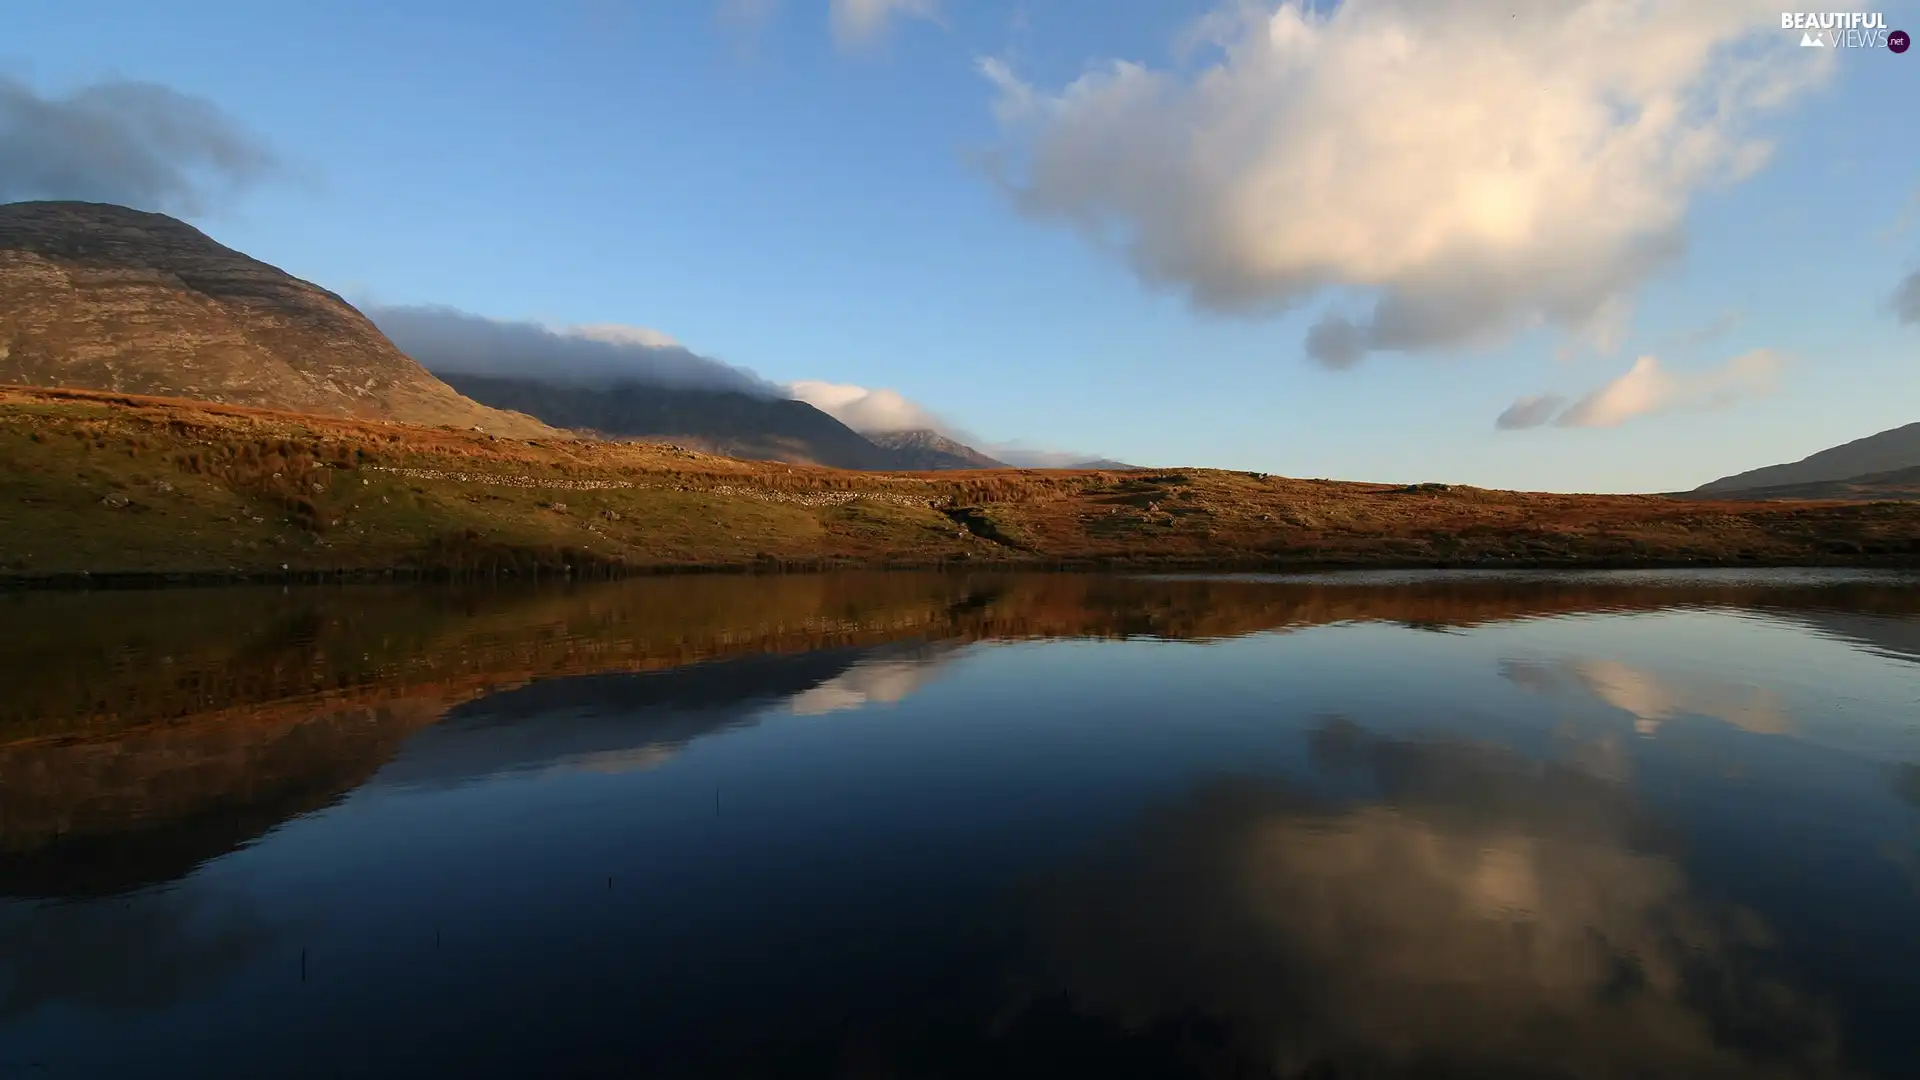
x: 819, y: 208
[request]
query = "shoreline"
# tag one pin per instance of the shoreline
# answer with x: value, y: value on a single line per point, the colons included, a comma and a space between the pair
x: 83, y: 580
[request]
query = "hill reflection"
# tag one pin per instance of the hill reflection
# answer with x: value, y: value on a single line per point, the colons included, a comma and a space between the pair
x: 146, y: 732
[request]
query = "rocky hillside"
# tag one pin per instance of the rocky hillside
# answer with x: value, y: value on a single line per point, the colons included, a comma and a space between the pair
x: 1859, y: 460
x: 923, y: 450
x: 101, y: 297
x: 725, y: 422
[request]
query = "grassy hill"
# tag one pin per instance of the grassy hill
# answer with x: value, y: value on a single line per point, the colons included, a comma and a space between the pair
x: 113, y: 484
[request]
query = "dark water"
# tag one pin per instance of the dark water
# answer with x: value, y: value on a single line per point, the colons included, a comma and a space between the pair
x: 915, y: 826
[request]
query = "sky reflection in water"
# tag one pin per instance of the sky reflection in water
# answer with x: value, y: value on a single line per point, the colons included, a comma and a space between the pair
x: 921, y: 826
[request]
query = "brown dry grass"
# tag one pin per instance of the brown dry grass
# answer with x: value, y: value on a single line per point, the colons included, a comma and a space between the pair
x: 111, y: 483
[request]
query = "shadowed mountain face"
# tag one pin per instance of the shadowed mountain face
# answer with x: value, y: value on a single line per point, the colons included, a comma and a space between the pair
x: 1832, y: 473
x: 923, y: 449
x: 101, y: 297
x: 717, y: 421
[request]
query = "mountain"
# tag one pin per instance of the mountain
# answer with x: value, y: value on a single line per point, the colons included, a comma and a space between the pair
x: 1103, y: 463
x: 96, y: 296
x: 1894, y: 485
x: 724, y: 422
x: 925, y: 450
x: 1889, y: 451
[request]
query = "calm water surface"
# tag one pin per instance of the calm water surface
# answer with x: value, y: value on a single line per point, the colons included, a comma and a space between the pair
x: 922, y: 826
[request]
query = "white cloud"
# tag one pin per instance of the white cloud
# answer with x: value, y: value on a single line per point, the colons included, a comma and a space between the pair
x: 876, y: 412
x: 865, y: 410
x: 860, y: 22
x: 1648, y: 388
x: 1466, y: 167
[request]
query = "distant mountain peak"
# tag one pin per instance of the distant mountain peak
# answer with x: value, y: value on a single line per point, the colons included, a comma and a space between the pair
x: 924, y: 450
x: 718, y: 421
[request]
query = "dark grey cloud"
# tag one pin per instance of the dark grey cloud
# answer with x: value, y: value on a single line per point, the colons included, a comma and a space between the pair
x: 1906, y: 299
x: 1336, y: 342
x: 448, y: 341
x: 133, y: 143
x: 1530, y: 412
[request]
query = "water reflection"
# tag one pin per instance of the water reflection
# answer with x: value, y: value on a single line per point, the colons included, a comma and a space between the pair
x: 1653, y: 698
x: 142, y: 734
x: 619, y: 722
x: 973, y: 826
x: 1484, y: 915
x: 124, y: 958
x: 886, y: 678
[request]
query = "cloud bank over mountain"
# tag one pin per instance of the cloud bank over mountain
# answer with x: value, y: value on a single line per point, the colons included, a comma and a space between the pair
x: 1450, y: 171
x: 448, y: 341
x: 445, y: 339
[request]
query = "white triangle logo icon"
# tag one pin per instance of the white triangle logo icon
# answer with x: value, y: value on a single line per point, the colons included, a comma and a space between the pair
x: 1808, y: 41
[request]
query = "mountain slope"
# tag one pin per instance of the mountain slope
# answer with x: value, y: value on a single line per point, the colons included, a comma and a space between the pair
x: 1895, y: 485
x: 96, y: 296
x: 718, y: 421
x: 1888, y: 451
x: 923, y: 449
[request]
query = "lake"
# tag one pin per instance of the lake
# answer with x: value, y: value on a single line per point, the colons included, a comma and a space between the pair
x: 914, y: 825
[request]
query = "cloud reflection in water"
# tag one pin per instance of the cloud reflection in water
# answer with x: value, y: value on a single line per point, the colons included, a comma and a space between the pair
x: 1490, y: 915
